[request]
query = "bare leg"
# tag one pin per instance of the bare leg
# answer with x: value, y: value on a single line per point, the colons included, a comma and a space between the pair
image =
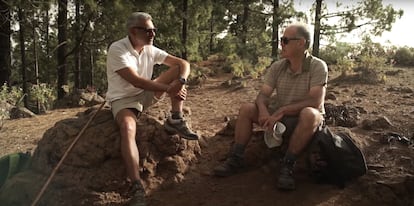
x: 309, y: 120
x: 248, y: 114
x: 126, y: 119
x: 167, y: 77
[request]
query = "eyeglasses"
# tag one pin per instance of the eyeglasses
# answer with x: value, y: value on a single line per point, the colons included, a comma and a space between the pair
x: 285, y: 40
x: 148, y: 31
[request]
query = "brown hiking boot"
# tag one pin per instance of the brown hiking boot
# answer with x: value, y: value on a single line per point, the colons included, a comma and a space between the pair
x: 138, y: 195
x: 180, y: 127
x: 286, y: 180
x: 230, y: 167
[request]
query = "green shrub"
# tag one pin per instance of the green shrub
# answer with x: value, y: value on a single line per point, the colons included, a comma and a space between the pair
x: 404, y: 56
x: 369, y: 67
x: 243, y: 67
x: 43, y: 94
x: 11, y: 95
x: 333, y: 53
x: 345, y: 65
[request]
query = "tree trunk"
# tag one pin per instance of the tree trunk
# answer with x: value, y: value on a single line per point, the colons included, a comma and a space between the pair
x: 244, y: 22
x: 47, y: 19
x: 5, y: 46
x: 22, y: 19
x: 211, y: 40
x: 91, y: 72
x: 61, y: 50
x: 243, y: 34
x: 317, y: 30
x: 77, y: 67
x: 184, y: 29
x: 36, y: 62
x: 275, y: 26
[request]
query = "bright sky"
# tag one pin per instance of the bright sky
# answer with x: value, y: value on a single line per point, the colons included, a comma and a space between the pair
x: 402, y: 30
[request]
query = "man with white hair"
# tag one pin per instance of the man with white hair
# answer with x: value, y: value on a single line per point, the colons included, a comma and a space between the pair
x: 299, y: 81
x: 131, y: 90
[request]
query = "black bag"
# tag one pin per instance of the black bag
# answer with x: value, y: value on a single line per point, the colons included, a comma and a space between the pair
x: 334, y: 158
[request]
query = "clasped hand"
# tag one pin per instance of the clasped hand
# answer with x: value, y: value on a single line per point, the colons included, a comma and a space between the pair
x: 267, y: 121
x: 178, y: 90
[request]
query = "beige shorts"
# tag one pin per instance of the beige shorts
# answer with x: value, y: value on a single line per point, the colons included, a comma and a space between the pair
x: 139, y: 102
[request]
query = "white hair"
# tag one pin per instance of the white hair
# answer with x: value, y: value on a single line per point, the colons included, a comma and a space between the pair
x: 136, y: 17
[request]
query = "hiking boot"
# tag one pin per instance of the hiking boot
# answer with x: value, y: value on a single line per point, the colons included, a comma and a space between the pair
x: 286, y: 180
x: 179, y: 126
x: 138, y: 195
x: 231, y: 166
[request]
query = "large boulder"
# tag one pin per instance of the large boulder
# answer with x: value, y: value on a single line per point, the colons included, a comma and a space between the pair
x: 93, y: 173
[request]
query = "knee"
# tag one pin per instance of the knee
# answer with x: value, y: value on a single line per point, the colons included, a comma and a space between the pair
x: 310, y: 115
x: 127, y: 126
x: 247, y: 110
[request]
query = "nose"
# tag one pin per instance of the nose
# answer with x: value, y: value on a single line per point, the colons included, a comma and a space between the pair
x: 151, y: 33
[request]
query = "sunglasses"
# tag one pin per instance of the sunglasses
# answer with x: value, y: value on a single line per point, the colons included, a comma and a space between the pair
x: 145, y: 29
x: 285, y: 40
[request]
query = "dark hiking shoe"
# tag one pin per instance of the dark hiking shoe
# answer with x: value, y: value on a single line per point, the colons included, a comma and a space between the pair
x: 286, y: 180
x: 138, y: 195
x: 230, y: 167
x: 179, y: 126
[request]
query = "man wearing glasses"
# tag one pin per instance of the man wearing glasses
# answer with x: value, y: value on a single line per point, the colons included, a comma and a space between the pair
x: 131, y: 90
x: 299, y: 80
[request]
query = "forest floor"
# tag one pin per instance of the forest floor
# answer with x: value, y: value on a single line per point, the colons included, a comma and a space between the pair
x: 212, y: 103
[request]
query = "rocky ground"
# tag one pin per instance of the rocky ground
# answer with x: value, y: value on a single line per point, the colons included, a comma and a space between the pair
x: 372, y: 111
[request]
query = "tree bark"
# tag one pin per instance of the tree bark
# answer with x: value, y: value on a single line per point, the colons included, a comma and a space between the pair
x: 5, y: 45
x: 275, y: 26
x: 36, y: 60
x: 317, y: 29
x: 22, y: 19
x: 77, y: 67
x: 243, y: 34
x: 61, y: 50
x: 211, y: 40
x: 184, y: 29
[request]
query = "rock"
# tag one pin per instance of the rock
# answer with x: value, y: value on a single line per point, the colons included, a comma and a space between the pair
x: 94, y: 166
x: 330, y: 96
x: 380, y: 123
x: 20, y: 112
x: 393, y: 72
x: 359, y: 93
x: 341, y: 115
x: 400, y: 89
x: 80, y: 97
x: 228, y: 130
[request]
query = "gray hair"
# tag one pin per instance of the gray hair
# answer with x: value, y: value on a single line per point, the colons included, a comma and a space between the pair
x: 136, y: 17
x: 303, y: 31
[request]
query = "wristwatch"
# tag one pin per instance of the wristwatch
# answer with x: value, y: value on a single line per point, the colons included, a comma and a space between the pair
x: 182, y: 80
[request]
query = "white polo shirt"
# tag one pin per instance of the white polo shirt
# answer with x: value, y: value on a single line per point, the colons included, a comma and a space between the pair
x: 121, y: 54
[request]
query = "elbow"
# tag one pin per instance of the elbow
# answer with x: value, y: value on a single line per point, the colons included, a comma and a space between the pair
x: 318, y: 103
x: 185, y: 65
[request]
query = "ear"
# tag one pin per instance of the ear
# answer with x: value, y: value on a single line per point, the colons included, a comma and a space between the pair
x: 302, y: 42
x: 132, y: 31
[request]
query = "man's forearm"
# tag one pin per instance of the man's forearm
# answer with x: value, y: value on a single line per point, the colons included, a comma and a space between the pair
x: 262, y: 102
x: 150, y: 85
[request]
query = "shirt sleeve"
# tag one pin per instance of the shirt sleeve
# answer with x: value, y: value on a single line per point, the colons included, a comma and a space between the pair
x: 270, y: 77
x: 117, y: 58
x: 319, y: 73
x: 159, y: 55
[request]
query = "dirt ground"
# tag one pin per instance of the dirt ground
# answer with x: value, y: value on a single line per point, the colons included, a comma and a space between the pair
x: 391, y: 164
